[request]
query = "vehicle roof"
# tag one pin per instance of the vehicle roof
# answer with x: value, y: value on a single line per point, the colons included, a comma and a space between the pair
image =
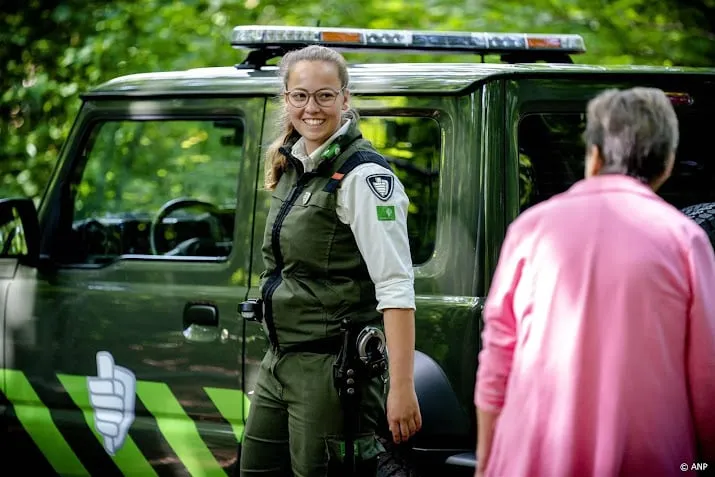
x: 399, y: 78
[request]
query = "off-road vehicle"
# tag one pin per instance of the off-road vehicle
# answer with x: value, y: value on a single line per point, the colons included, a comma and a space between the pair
x: 122, y: 349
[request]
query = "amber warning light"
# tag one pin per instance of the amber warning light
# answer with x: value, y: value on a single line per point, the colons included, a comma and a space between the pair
x: 680, y: 99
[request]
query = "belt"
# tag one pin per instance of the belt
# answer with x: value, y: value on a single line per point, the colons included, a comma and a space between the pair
x: 327, y: 345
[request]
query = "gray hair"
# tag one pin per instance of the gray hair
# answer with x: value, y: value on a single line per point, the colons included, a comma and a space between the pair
x: 635, y: 131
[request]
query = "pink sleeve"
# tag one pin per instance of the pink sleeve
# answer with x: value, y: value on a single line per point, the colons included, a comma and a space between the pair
x: 700, y: 344
x: 499, y: 335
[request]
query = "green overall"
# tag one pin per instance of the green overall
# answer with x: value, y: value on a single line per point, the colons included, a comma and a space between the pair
x: 315, y: 277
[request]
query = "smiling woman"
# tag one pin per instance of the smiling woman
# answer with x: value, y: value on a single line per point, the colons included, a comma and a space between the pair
x: 316, y: 96
x: 316, y: 100
x: 337, y: 260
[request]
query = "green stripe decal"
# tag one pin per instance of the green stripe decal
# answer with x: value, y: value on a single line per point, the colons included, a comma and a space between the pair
x: 231, y: 403
x: 37, y: 421
x: 128, y: 458
x: 178, y: 429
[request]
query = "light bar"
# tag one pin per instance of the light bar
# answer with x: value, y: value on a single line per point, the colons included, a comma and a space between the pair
x: 259, y: 36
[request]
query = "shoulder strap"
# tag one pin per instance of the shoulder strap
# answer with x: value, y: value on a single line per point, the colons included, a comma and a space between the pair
x: 360, y: 157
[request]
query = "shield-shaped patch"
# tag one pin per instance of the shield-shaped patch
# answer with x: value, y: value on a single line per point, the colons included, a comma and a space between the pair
x: 381, y: 185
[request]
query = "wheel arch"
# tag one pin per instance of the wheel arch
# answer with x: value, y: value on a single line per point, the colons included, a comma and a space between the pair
x: 443, y: 417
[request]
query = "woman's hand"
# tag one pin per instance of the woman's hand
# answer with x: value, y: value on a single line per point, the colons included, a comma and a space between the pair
x: 403, y: 411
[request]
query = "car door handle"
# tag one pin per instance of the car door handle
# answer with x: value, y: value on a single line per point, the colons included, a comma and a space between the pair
x: 200, y: 322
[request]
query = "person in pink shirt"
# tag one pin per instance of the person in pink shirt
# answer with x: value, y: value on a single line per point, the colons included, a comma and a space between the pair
x: 598, y: 351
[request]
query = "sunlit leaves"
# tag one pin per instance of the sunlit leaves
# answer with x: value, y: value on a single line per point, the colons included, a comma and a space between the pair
x: 12, y: 237
x: 51, y: 55
x: 136, y: 167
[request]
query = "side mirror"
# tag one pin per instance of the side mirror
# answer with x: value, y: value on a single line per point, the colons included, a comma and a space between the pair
x: 19, y: 230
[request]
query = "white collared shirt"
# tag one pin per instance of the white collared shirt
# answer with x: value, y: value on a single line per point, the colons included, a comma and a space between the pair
x: 382, y: 241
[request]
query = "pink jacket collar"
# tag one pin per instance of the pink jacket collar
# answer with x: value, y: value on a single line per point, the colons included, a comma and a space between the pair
x: 610, y: 183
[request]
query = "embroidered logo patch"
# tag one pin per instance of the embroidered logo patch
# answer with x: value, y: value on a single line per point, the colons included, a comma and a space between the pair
x: 385, y: 212
x: 381, y: 185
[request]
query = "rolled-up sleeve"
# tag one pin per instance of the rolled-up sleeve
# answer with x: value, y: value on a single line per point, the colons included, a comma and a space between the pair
x: 499, y: 335
x: 700, y: 345
x: 373, y: 202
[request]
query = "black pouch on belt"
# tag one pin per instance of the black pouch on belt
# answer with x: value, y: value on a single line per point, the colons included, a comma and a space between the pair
x: 361, y: 358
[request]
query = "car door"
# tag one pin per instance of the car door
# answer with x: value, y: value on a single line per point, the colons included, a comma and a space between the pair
x: 130, y: 330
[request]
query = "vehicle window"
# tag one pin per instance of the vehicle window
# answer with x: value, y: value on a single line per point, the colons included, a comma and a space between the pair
x: 156, y: 188
x: 552, y: 153
x: 412, y: 147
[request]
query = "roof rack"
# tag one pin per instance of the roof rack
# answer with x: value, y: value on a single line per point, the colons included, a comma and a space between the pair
x: 267, y: 42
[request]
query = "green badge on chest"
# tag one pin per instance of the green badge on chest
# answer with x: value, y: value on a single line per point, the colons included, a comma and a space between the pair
x: 385, y: 212
x: 332, y: 151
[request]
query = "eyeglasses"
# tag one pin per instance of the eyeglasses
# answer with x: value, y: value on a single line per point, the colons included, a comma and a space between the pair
x: 325, y: 97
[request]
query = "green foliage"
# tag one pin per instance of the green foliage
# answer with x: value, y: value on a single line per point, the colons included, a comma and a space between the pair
x: 12, y: 238
x: 54, y: 51
x: 136, y: 167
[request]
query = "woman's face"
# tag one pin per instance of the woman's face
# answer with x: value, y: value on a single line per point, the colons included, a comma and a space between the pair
x: 314, y: 101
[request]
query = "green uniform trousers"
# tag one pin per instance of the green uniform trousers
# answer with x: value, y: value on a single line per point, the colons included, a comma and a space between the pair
x: 295, y: 422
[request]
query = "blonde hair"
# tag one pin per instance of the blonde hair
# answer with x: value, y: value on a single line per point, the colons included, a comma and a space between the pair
x: 275, y: 161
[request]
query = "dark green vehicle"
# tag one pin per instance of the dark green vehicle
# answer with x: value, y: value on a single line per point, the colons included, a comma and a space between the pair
x: 122, y: 349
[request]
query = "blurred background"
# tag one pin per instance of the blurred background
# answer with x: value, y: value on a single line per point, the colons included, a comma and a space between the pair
x: 54, y: 50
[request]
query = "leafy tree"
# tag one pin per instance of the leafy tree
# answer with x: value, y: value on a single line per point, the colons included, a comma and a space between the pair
x: 53, y: 51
